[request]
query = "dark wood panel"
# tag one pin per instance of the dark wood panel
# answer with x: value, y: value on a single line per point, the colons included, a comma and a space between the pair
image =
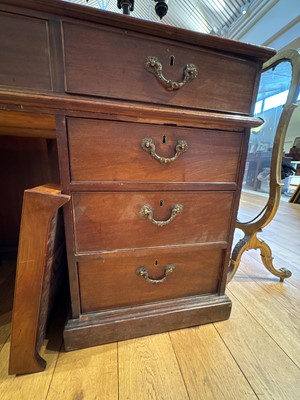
x: 112, y: 281
x: 112, y: 151
x: 25, y: 52
x: 98, y: 62
x: 24, y: 163
x: 107, y: 221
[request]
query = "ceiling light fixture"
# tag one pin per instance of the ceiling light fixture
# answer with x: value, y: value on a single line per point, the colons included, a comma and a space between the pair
x: 126, y: 5
x: 244, y: 10
x: 161, y: 8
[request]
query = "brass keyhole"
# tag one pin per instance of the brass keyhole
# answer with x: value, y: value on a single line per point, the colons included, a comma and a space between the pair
x: 164, y: 139
x: 172, y: 60
x: 156, y: 263
x: 161, y: 203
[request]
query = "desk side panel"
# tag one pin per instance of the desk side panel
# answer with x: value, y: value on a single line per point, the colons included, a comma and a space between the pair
x: 25, y: 53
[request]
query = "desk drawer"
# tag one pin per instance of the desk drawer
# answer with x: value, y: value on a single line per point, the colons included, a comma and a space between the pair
x: 116, y: 151
x: 108, y: 221
x: 116, y: 279
x: 109, y: 62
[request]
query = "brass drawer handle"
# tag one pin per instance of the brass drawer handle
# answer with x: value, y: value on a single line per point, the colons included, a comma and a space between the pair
x: 147, y: 212
x: 142, y: 271
x: 148, y: 145
x: 153, y: 65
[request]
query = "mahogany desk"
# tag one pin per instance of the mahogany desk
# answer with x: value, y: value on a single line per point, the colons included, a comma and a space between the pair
x: 152, y: 126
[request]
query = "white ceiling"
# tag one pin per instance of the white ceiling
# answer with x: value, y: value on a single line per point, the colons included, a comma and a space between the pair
x: 207, y: 16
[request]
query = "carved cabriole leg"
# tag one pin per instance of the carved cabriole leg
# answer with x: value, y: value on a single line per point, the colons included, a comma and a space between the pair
x: 39, y: 209
x: 267, y: 259
x: 249, y: 242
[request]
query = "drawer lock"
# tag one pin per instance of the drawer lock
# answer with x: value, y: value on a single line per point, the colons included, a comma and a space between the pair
x: 148, y: 145
x: 147, y: 212
x: 153, y: 65
x: 142, y: 271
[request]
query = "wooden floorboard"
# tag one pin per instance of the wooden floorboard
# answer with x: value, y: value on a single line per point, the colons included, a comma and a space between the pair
x: 208, y: 368
x: 7, y: 272
x: 269, y: 370
x: 288, y: 293
x: 278, y: 318
x: 280, y: 260
x: 253, y: 355
x: 31, y: 386
x: 148, y: 369
x: 86, y: 374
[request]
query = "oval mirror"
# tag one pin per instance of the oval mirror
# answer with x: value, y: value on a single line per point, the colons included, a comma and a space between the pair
x: 272, y: 95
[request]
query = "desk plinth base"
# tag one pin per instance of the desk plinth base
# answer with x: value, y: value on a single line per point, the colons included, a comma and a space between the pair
x: 127, y: 323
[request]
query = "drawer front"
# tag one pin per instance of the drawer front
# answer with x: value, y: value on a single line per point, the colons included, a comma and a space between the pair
x: 110, y: 63
x: 116, y: 151
x: 117, y: 279
x: 108, y: 221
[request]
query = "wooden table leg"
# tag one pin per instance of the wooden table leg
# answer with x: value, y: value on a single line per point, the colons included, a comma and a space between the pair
x: 36, y: 244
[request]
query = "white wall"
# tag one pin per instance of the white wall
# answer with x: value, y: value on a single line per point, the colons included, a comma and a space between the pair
x: 273, y: 23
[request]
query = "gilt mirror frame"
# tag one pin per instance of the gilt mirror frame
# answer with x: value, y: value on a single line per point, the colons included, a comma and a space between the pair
x: 265, y: 216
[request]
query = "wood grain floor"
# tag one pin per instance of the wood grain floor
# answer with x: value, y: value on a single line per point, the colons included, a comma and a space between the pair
x: 253, y: 355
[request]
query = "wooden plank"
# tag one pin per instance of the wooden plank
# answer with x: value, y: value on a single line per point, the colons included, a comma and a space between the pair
x: 91, y: 373
x: 30, y: 386
x: 281, y: 321
x: 270, y: 372
x: 27, y: 132
x: 207, y: 367
x: 27, y: 124
x: 36, y: 261
x: 286, y: 295
x: 148, y: 370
